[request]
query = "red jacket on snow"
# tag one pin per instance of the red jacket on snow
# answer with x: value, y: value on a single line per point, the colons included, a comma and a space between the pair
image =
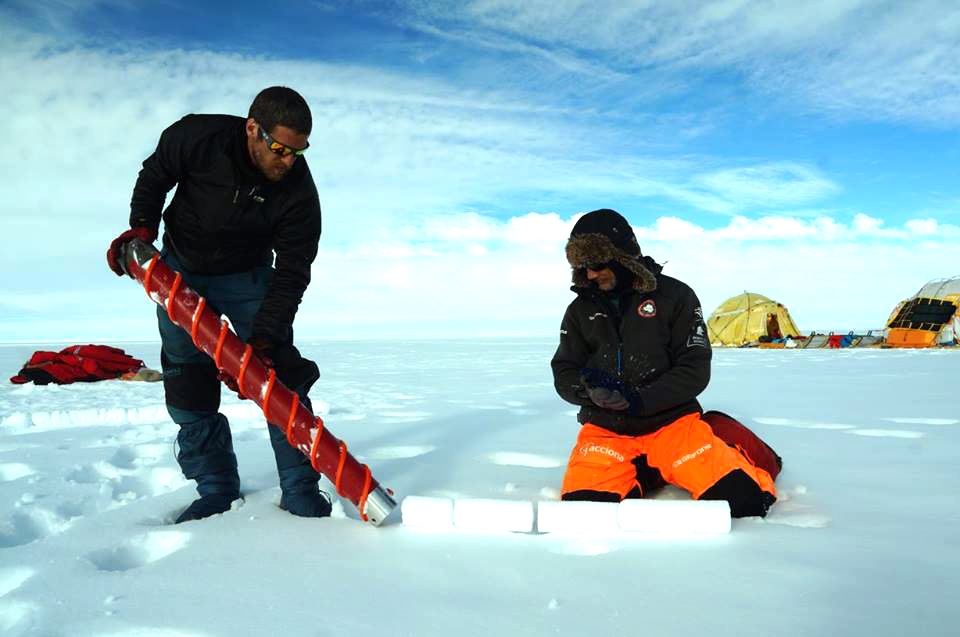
x: 77, y: 363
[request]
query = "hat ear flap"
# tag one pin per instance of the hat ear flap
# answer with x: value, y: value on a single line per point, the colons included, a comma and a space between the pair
x: 589, y: 248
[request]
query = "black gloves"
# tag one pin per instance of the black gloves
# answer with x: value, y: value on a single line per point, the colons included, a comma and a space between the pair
x: 607, y: 392
x: 608, y: 399
x: 262, y: 349
x: 293, y: 370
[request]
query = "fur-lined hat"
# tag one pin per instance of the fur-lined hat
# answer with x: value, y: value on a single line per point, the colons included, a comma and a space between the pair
x: 602, y: 236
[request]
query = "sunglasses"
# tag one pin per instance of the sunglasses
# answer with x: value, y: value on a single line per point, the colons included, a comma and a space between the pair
x: 596, y: 267
x: 277, y: 148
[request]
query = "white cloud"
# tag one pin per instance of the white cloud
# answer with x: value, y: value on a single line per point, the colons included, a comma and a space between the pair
x: 770, y: 185
x: 867, y: 225
x: 560, y: 59
x: 922, y: 226
x: 466, y: 226
x: 503, y: 280
x: 766, y: 228
x: 669, y: 229
x: 865, y: 58
x: 535, y: 230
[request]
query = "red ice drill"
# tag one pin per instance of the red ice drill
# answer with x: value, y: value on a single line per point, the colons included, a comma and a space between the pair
x: 281, y: 407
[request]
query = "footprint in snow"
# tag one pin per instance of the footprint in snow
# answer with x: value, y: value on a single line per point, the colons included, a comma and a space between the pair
x: 92, y: 473
x: 11, y: 471
x: 135, y: 457
x: 77, y: 508
x: 29, y: 525
x: 153, y: 482
x: 125, y: 484
x: 139, y: 551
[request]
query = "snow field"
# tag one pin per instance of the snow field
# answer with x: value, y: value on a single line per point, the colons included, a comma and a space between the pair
x: 861, y: 540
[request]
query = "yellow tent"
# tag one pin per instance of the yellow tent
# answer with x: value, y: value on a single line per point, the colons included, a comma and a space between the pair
x: 746, y: 317
x: 929, y: 318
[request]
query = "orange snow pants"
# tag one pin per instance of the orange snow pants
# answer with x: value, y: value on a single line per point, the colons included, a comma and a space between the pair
x: 694, y: 453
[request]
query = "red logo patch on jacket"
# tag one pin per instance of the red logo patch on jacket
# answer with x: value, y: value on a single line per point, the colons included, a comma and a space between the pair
x: 647, y: 309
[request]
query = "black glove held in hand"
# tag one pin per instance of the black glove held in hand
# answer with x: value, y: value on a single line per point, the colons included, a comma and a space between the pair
x: 262, y: 349
x: 608, y: 392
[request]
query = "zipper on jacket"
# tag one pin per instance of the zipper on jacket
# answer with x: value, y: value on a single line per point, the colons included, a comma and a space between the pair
x: 618, y: 325
x: 615, y: 314
x: 250, y: 195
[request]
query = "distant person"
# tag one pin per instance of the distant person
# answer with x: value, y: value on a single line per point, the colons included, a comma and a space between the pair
x: 244, y: 194
x: 634, y: 355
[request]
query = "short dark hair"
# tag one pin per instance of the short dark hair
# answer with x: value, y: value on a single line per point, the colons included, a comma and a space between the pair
x: 281, y: 106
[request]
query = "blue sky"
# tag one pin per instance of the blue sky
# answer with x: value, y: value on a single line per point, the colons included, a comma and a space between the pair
x: 806, y: 151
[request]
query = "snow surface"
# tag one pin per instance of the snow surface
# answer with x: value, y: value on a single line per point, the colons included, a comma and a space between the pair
x: 864, y: 540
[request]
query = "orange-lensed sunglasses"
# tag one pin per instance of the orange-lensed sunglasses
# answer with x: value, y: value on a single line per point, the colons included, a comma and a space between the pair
x: 277, y: 148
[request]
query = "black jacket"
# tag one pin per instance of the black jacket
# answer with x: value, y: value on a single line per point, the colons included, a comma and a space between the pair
x: 226, y: 217
x: 655, y: 342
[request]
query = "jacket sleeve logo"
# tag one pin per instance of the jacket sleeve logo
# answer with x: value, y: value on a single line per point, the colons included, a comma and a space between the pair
x: 698, y: 332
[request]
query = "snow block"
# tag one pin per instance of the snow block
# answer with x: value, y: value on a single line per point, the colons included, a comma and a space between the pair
x: 577, y: 517
x: 480, y: 514
x: 424, y: 512
x: 674, y: 516
x: 666, y: 517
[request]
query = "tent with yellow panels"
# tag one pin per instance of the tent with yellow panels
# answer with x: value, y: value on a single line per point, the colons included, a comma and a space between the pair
x: 744, y: 318
x: 929, y: 318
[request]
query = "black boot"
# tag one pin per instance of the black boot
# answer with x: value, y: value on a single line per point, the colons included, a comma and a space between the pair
x: 307, y: 504
x: 745, y: 496
x: 206, y: 455
x: 205, y: 506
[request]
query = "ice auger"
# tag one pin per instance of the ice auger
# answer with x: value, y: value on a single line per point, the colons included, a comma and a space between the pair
x: 258, y: 382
